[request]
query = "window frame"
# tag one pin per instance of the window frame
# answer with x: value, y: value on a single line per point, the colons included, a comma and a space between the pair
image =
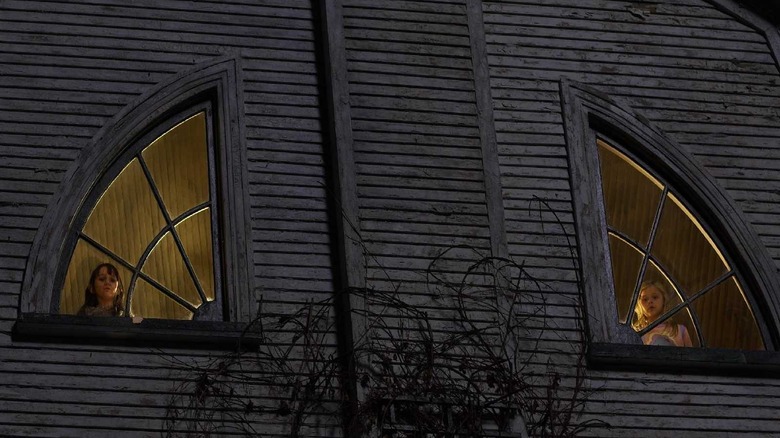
x: 217, y: 191
x: 217, y: 83
x: 670, y: 190
x: 588, y: 114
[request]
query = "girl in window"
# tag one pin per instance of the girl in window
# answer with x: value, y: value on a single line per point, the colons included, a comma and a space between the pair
x: 653, y: 302
x: 105, y: 294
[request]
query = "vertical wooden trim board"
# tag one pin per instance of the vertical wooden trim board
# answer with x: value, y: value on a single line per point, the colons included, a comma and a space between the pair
x: 487, y: 130
x: 351, y: 263
x: 590, y: 220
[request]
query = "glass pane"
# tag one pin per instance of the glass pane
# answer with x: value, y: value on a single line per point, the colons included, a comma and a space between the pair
x: 626, y: 261
x: 685, y: 250
x: 166, y: 266
x: 726, y: 319
x: 178, y: 163
x: 631, y: 195
x: 148, y: 302
x: 195, y: 235
x: 127, y: 217
x: 83, y: 261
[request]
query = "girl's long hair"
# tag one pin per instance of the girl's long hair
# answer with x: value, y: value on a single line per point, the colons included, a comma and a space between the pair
x: 90, y: 299
x: 640, y: 320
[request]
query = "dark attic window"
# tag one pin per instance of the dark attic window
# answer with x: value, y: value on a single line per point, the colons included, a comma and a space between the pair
x: 156, y: 207
x: 673, y: 277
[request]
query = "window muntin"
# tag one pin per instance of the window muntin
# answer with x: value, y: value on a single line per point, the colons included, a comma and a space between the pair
x: 154, y: 221
x: 654, y: 236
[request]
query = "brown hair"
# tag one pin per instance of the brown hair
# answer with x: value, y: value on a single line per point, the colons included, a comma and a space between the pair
x: 90, y: 299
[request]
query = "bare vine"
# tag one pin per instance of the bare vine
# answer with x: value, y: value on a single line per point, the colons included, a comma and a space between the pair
x: 461, y: 363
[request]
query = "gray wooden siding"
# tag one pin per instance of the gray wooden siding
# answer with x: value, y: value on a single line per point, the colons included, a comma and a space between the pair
x: 417, y: 145
x: 702, y: 77
x: 66, y: 68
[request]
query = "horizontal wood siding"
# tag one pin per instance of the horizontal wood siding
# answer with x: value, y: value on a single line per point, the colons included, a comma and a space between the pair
x: 419, y: 162
x: 706, y: 79
x: 702, y: 77
x: 416, y: 139
x: 66, y: 68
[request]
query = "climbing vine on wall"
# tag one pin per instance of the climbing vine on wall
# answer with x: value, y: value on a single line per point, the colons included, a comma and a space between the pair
x: 471, y: 367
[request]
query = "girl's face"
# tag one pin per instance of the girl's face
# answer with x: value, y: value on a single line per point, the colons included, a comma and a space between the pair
x: 105, y: 287
x: 652, y: 302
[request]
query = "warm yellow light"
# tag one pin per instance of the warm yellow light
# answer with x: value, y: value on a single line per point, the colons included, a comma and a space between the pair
x: 631, y: 162
x: 630, y: 245
x: 704, y: 233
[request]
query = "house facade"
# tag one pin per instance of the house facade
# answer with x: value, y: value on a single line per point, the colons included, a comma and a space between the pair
x: 440, y: 186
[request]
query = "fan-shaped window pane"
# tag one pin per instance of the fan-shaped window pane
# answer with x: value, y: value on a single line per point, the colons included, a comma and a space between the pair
x: 127, y: 217
x: 195, y: 234
x: 178, y: 163
x: 631, y: 195
x: 685, y: 250
x: 626, y: 261
x: 166, y: 266
x: 149, y: 302
x: 726, y: 318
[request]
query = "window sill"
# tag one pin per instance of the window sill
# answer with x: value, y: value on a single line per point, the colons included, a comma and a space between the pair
x: 123, y: 331
x: 678, y: 360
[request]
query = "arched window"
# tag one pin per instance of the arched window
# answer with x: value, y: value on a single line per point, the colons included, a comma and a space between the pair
x: 649, y: 217
x: 153, y: 221
x: 161, y: 193
x: 654, y: 238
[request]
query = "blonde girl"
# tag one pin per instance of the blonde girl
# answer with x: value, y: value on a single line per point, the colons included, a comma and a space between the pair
x: 654, y: 301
